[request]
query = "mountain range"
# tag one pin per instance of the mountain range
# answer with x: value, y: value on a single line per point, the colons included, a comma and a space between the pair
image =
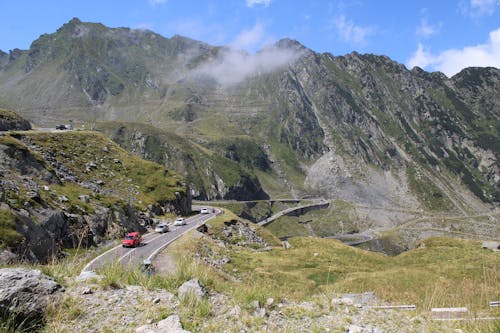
x: 284, y: 122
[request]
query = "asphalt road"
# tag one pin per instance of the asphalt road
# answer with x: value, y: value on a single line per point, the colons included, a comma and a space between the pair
x: 151, y: 245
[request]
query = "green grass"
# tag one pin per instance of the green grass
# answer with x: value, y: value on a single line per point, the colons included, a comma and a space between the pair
x: 288, y: 226
x: 444, y: 272
x: 9, y: 236
x: 337, y: 219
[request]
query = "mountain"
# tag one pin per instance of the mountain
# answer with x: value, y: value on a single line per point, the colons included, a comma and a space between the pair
x: 284, y: 122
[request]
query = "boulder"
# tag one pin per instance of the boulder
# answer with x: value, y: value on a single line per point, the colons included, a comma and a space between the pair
x: 354, y: 329
x: 192, y: 287
x: 171, y: 324
x: 25, y: 293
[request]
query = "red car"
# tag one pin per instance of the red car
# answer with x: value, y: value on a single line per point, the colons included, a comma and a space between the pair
x: 132, y: 239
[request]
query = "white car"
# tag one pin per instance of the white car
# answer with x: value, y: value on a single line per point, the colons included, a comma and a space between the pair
x: 161, y: 228
x: 180, y: 221
x: 204, y: 211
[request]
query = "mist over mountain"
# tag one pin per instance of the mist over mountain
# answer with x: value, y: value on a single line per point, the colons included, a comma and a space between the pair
x: 283, y: 122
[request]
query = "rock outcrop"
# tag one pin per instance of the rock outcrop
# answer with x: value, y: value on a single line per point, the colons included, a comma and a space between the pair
x: 192, y: 288
x: 25, y: 294
x: 10, y: 121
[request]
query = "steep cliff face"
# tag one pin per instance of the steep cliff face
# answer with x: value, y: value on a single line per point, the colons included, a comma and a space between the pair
x: 77, y: 189
x: 357, y: 127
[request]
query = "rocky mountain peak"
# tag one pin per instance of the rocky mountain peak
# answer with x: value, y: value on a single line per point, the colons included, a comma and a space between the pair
x: 290, y: 44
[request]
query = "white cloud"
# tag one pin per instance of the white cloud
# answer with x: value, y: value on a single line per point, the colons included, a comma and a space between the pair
x: 420, y: 58
x: 249, y: 38
x: 453, y: 61
x: 251, y: 3
x: 425, y: 29
x: 479, y: 7
x: 351, y: 32
x: 233, y: 66
x: 157, y: 2
x: 487, y: 7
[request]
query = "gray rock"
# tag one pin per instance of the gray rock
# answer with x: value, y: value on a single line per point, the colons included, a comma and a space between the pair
x: 269, y: 302
x: 7, y: 256
x: 255, y: 304
x: 25, y: 293
x: 354, y: 329
x: 192, y: 287
x: 86, y: 291
x: 84, y: 198
x: 88, y: 275
x: 260, y: 312
x: 235, y: 311
x: 171, y: 324
x: 145, y: 329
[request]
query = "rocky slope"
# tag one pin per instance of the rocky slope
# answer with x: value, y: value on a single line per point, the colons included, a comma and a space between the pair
x: 76, y: 189
x: 361, y: 128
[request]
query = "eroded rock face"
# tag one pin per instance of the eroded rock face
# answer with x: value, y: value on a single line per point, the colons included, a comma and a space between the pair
x: 25, y: 293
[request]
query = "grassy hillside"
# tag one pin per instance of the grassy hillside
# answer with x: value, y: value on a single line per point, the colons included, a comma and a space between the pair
x: 211, y: 173
x: 94, y: 159
x: 441, y: 272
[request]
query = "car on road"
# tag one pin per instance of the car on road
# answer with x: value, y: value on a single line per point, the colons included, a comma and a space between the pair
x: 180, y: 221
x: 204, y: 211
x: 132, y: 239
x: 161, y: 228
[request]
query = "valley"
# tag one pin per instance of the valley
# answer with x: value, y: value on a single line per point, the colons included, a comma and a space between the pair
x: 336, y: 177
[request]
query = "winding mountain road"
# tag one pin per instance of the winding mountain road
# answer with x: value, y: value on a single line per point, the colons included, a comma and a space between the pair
x: 151, y: 245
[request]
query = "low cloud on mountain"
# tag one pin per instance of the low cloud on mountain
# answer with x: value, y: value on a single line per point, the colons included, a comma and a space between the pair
x: 233, y: 66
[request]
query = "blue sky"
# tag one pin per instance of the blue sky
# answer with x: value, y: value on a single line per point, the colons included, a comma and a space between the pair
x: 445, y: 35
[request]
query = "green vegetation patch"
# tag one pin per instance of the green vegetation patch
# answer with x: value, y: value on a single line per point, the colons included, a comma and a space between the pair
x: 337, y: 219
x: 9, y: 236
x: 429, y: 195
x: 439, y: 273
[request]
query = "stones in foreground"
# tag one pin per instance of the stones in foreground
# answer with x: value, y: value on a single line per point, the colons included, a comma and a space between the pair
x: 171, y: 324
x: 193, y: 288
x: 26, y: 293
